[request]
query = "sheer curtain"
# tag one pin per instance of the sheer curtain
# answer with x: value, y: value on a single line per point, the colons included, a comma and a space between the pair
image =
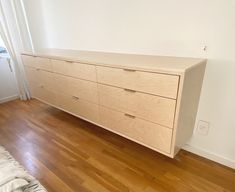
x: 10, y: 33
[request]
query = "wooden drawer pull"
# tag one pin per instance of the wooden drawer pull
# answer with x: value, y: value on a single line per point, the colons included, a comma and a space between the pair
x: 130, y: 90
x: 130, y: 116
x: 129, y: 70
x: 37, y: 69
x: 75, y: 97
x: 69, y: 61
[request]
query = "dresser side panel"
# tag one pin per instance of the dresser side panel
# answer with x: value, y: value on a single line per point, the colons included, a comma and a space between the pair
x: 187, y: 105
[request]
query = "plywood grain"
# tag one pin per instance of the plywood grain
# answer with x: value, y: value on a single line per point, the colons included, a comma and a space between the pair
x: 148, y: 133
x: 153, y: 83
x: 149, y: 107
x: 73, y: 69
x: 161, y: 64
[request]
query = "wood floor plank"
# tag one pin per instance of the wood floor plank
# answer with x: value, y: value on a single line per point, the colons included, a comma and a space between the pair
x: 68, y: 154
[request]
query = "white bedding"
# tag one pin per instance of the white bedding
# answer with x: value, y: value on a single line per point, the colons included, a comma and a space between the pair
x: 13, y: 177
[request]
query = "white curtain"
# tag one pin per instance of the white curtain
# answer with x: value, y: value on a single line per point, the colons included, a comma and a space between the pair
x: 10, y: 34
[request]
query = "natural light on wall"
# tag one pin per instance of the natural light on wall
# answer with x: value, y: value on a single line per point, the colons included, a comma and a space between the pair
x: 12, y: 37
x: 8, y: 85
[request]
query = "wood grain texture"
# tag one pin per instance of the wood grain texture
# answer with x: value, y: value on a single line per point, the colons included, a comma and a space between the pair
x: 161, y: 64
x: 70, y: 155
x: 38, y: 62
x: 153, y: 83
x: 83, y: 89
x: 144, y: 132
x: 149, y: 107
x: 78, y: 107
x: 33, y: 80
x: 77, y: 70
x: 159, y: 97
x: 187, y: 104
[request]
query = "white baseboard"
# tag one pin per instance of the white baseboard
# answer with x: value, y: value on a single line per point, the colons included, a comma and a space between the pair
x: 208, y: 155
x: 6, y: 99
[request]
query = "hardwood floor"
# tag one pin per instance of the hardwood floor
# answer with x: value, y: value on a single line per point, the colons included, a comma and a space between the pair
x: 70, y: 155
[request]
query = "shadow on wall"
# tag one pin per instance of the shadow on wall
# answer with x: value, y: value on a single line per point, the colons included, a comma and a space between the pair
x: 217, y: 106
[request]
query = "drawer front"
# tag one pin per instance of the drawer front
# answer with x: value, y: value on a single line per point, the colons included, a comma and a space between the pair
x: 62, y: 84
x: 78, y: 107
x: 47, y: 96
x: 150, y: 134
x: 61, y: 67
x: 34, y: 89
x: 32, y: 74
x: 33, y: 77
x: 78, y: 70
x: 83, y: 89
x: 37, y: 62
x: 39, y: 79
x: 149, y: 107
x: 83, y: 71
x: 47, y: 80
x: 153, y: 83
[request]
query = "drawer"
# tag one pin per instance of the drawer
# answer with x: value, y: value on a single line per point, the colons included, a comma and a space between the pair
x: 153, y: 83
x: 78, y: 70
x: 34, y: 89
x: 37, y: 62
x: 149, y: 107
x: 61, y: 67
x: 47, y: 95
x: 78, y: 107
x: 83, y: 89
x: 150, y: 134
x: 33, y: 77
x: 47, y: 79
x: 32, y: 74
x: 62, y: 84
x: 39, y: 78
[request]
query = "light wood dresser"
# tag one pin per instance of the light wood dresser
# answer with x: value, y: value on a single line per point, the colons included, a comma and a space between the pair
x: 151, y: 100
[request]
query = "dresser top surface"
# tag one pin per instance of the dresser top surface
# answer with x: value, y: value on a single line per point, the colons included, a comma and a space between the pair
x: 139, y: 62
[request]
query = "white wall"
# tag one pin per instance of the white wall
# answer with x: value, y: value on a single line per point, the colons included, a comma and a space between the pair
x: 8, y: 86
x: 161, y: 27
x: 36, y: 23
